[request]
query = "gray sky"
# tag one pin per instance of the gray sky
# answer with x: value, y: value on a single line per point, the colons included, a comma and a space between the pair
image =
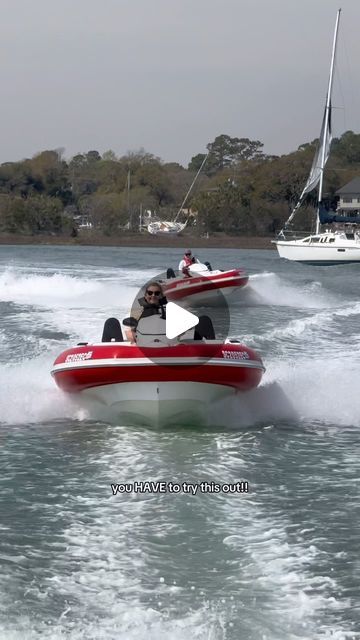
x: 171, y: 75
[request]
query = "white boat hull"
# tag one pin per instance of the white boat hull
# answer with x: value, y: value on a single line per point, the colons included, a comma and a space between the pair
x: 329, y: 249
x: 165, y: 228
x: 156, y: 404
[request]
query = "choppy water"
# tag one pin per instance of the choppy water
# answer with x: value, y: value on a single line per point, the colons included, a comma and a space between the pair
x: 281, y: 562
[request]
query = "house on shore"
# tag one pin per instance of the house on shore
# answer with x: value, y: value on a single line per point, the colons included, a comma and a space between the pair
x: 349, y: 198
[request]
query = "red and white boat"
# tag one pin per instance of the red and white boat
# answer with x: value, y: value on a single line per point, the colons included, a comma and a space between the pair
x: 158, y: 385
x: 205, y: 286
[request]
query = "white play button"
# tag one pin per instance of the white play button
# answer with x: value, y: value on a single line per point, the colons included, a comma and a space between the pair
x: 178, y: 320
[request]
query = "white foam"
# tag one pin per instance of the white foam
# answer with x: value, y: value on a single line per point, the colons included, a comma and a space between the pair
x: 268, y: 402
x: 320, y: 320
x: 271, y: 289
x: 59, y: 290
x: 281, y: 568
x: 123, y: 622
x: 29, y: 394
x: 322, y: 388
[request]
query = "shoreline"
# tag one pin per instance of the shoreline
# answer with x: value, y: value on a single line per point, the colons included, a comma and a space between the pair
x: 137, y: 240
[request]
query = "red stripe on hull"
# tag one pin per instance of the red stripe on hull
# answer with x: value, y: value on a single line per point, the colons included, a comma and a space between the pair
x: 235, y: 365
x: 76, y: 380
x: 194, y: 285
x: 94, y: 352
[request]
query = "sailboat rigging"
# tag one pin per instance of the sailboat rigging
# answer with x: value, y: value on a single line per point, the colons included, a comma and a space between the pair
x: 172, y: 227
x: 328, y: 247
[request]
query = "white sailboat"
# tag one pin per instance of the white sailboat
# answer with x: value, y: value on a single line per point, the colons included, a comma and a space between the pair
x: 166, y: 228
x: 172, y: 227
x: 326, y: 247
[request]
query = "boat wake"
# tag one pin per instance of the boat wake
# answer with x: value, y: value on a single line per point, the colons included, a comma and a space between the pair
x: 325, y: 388
x: 135, y: 622
x: 63, y: 290
x: 267, y: 403
x: 315, y: 322
x: 269, y: 289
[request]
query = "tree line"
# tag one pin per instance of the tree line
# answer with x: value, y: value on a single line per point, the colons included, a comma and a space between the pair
x: 241, y: 190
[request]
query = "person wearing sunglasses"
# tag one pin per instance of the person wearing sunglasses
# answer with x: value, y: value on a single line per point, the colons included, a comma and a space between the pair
x: 153, y: 303
x: 186, y: 263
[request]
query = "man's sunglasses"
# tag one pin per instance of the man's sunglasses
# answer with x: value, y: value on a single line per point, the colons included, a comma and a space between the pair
x: 149, y: 292
x: 188, y: 254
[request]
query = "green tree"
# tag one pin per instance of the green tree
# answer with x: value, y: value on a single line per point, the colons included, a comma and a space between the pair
x: 196, y: 162
x: 43, y: 214
x: 83, y: 174
x: 52, y: 173
x: 109, y: 155
x: 112, y: 176
x: 133, y: 160
x: 347, y: 147
x: 93, y: 156
x: 153, y: 176
x: 105, y: 211
x: 12, y: 214
x: 226, y: 151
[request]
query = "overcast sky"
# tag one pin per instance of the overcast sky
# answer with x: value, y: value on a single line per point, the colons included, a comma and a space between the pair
x: 171, y: 75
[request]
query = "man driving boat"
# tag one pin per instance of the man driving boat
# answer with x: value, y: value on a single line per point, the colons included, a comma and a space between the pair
x: 186, y: 262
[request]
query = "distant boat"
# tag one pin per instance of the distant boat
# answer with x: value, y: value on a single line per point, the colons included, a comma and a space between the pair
x: 166, y: 228
x: 205, y: 286
x: 328, y: 247
x: 172, y: 227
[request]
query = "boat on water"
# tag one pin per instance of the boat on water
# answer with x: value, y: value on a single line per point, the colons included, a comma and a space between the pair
x: 166, y: 228
x: 205, y: 286
x: 172, y: 227
x: 157, y: 381
x: 324, y: 247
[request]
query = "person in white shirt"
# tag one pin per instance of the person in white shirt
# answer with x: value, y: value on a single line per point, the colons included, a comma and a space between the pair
x: 186, y: 262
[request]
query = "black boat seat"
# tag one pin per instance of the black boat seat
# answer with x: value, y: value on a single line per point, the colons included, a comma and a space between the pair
x: 112, y: 331
x: 204, y: 329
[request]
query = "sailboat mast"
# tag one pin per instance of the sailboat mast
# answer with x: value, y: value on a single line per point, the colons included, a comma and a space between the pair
x: 191, y: 186
x: 326, y: 131
x: 128, y: 199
